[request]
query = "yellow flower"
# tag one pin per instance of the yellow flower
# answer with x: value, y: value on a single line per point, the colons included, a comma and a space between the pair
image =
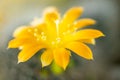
x: 57, y: 36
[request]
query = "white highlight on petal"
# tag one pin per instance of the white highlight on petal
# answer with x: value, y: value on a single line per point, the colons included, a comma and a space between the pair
x: 57, y: 27
x: 35, y: 34
x: 21, y: 47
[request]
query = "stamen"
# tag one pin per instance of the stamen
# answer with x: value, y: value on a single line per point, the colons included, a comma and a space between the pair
x: 43, y: 37
x: 35, y: 34
x: 42, y: 33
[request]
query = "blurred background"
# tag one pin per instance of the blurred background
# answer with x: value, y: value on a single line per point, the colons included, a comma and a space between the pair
x: 106, y: 63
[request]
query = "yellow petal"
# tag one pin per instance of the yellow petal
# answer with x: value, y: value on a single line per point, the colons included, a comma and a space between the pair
x: 82, y: 23
x: 80, y: 49
x: 17, y: 42
x: 61, y: 57
x: 83, y: 35
x: 14, y: 43
x: 51, y: 17
x: 89, y: 41
x: 23, y: 31
x: 71, y: 15
x: 28, y: 51
x: 46, y: 58
x: 87, y: 34
x: 51, y: 14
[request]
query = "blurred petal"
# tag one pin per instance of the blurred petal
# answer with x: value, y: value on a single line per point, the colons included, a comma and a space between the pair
x: 71, y: 15
x: 83, y: 35
x: 83, y: 23
x: 23, y: 31
x: 46, y: 58
x: 28, y: 51
x: 51, y: 14
x: 87, y: 34
x: 61, y: 57
x: 51, y: 17
x: 15, y: 43
x: 89, y: 41
x: 80, y: 49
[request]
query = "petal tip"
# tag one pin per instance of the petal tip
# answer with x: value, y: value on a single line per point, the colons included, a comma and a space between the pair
x: 44, y: 65
x: 93, y: 42
x: 64, y: 68
x: 49, y: 10
x: 8, y: 47
x: 103, y: 35
x: 80, y: 9
x: 91, y: 58
x: 91, y: 21
x: 19, y: 61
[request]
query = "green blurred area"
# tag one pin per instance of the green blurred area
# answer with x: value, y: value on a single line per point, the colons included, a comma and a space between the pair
x: 106, y: 63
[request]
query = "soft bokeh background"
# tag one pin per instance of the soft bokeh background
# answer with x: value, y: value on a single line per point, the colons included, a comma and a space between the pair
x: 106, y: 63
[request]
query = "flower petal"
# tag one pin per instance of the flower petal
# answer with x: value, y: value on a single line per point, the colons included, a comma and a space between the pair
x: 71, y: 15
x: 82, y: 23
x: 83, y: 35
x: 51, y: 17
x: 51, y: 14
x: 46, y: 58
x: 87, y: 34
x: 17, y: 42
x: 28, y: 51
x: 61, y: 57
x: 23, y: 31
x: 89, y: 41
x: 80, y: 49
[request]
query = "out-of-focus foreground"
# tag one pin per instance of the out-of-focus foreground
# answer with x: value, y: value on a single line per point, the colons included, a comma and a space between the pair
x: 106, y: 63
